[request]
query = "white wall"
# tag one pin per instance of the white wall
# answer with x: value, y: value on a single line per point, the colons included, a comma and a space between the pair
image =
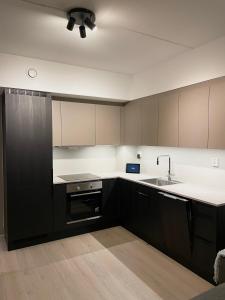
x: 188, y: 165
x: 61, y: 78
x: 84, y: 159
x: 203, y: 63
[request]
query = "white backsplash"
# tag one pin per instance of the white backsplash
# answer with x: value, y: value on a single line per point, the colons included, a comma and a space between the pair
x: 188, y: 165
x: 84, y: 159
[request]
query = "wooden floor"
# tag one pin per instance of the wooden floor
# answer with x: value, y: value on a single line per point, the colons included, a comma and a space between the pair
x: 107, y: 264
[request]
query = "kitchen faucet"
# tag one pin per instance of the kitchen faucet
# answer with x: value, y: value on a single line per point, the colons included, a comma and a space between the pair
x: 169, y: 170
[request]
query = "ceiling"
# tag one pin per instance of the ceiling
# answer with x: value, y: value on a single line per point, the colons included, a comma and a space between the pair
x: 132, y: 35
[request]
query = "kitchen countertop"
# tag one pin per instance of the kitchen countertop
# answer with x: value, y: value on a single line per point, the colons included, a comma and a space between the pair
x: 209, y: 195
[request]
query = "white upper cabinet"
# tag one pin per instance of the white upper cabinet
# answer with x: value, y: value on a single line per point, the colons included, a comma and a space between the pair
x: 108, y: 119
x: 217, y: 115
x: 193, y: 117
x: 78, y: 123
x: 168, y: 119
x: 149, y: 121
x: 132, y: 123
x: 56, y: 124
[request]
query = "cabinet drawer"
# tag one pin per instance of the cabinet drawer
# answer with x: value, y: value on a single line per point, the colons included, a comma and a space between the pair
x: 204, y: 221
x: 143, y: 190
x: 204, y: 210
x: 205, y: 228
x: 203, y: 257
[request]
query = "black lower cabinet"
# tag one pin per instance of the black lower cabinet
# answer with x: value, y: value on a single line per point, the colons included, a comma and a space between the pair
x: 203, y: 257
x: 147, y: 220
x: 188, y: 231
x: 59, y: 199
x: 163, y: 221
x: 208, y: 237
x: 142, y: 212
x: 109, y: 210
x: 110, y: 201
x: 126, y: 196
x: 175, y: 218
x: 29, y: 218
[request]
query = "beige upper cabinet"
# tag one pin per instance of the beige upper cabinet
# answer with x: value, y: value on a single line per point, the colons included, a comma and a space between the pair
x: 217, y: 115
x: 168, y: 119
x: 149, y: 121
x: 132, y: 123
x: 78, y: 124
x: 193, y: 117
x: 56, y: 124
x: 107, y: 125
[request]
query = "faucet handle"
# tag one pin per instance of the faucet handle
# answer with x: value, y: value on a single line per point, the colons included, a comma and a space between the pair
x: 170, y: 175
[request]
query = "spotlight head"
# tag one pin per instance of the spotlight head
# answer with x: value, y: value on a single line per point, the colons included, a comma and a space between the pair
x: 89, y: 23
x: 82, y: 31
x: 71, y: 23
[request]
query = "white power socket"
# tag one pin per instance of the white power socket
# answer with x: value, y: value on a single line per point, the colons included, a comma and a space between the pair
x: 215, y: 162
x: 139, y: 155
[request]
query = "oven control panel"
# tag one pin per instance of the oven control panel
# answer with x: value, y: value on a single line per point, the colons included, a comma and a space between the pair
x: 83, y: 186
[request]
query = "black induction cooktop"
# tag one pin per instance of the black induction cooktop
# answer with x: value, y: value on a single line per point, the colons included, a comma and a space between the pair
x: 79, y: 177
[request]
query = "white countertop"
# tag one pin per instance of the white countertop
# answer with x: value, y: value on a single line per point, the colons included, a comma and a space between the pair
x: 202, y: 193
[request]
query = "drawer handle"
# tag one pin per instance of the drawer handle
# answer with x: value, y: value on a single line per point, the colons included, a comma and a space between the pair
x: 84, y: 194
x: 83, y: 220
x: 143, y: 194
x: 173, y: 197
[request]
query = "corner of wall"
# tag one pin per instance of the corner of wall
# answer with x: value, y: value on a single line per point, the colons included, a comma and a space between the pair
x: 1, y: 172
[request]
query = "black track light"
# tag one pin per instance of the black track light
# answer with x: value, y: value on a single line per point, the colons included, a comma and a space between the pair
x: 71, y: 23
x: 89, y: 23
x: 81, y: 17
x: 82, y: 31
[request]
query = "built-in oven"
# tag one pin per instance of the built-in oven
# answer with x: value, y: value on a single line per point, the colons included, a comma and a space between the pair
x: 84, y: 201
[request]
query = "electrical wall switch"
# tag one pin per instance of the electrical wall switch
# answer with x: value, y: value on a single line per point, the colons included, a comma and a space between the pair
x: 139, y: 155
x: 215, y: 162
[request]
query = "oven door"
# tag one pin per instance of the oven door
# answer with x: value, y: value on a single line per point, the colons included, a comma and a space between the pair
x: 83, y: 206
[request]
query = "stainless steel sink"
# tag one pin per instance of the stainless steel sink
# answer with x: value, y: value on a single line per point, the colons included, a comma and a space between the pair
x: 160, y: 181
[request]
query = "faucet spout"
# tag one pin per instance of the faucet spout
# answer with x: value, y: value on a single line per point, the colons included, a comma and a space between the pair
x: 169, y: 167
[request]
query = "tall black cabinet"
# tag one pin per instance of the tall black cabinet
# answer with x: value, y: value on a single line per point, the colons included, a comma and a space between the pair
x: 27, y: 145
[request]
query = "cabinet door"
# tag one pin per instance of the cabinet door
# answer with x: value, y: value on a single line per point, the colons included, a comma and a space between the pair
x: 168, y: 120
x: 132, y: 123
x: 107, y: 125
x: 56, y: 124
x: 78, y: 124
x: 59, y: 204
x: 149, y: 121
x: 142, y: 217
x: 126, y: 203
x: 176, y: 224
x: 203, y: 258
x: 110, y: 200
x: 28, y: 166
x: 147, y: 218
x: 193, y: 117
x: 217, y: 115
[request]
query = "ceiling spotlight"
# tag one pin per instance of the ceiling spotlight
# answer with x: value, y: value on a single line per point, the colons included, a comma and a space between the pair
x: 81, y: 17
x: 89, y: 24
x: 71, y: 24
x: 82, y: 31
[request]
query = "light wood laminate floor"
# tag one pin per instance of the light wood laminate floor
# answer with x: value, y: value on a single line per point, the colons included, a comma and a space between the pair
x: 107, y: 264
